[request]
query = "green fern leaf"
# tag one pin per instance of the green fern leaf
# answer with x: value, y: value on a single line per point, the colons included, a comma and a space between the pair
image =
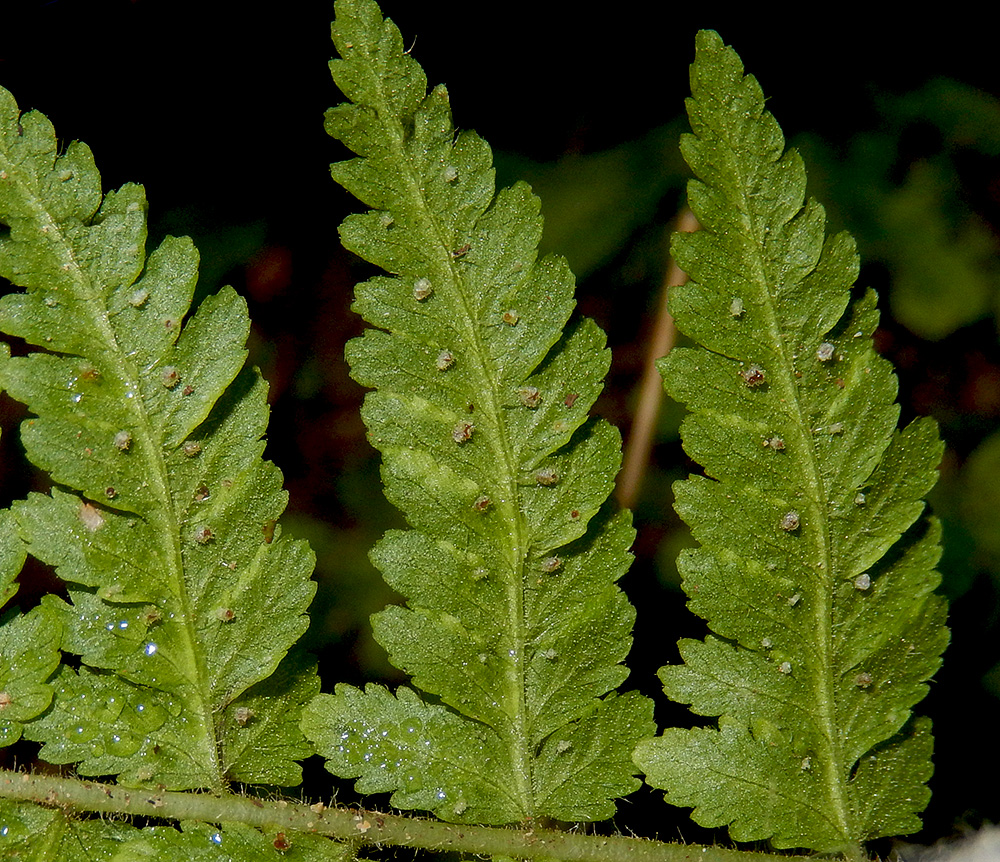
x: 36, y: 834
x: 181, y: 605
x: 236, y: 841
x: 30, y: 832
x: 29, y: 645
x: 514, y: 623
x: 814, y: 573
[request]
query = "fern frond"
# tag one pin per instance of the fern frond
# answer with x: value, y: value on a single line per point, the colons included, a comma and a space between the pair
x: 514, y: 624
x: 181, y: 605
x: 29, y: 644
x: 814, y: 574
x: 32, y: 832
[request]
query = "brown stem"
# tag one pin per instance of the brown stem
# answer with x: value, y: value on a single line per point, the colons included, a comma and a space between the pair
x: 640, y: 440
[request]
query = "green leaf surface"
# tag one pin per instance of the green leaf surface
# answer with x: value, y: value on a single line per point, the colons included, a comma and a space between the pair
x: 12, y: 556
x: 29, y: 645
x: 815, y: 572
x: 513, y: 623
x: 229, y: 841
x: 31, y: 832
x: 184, y: 597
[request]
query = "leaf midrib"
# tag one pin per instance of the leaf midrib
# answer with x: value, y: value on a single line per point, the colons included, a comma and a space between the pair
x: 823, y: 686
x: 167, y: 529
x: 487, y: 404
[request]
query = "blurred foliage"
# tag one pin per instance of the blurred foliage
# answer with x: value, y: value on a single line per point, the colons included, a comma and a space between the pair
x: 904, y: 188
x: 596, y: 202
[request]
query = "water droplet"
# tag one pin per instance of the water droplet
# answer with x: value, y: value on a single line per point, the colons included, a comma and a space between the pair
x: 123, y: 624
x: 76, y: 397
x: 215, y: 837
x: 150, y: 648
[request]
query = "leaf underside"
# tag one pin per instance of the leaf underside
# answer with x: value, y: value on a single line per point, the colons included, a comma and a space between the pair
x: 815, y: 572
x: 183, y: 598
x: 32, y: 832
x: 514, y: 625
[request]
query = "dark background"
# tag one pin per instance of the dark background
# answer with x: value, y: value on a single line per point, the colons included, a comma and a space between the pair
x: 217, y: 111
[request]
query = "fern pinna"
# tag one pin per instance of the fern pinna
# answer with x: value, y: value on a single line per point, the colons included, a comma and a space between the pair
x: 184, y: 599
x: 815, y: 572
x: 514, y: 623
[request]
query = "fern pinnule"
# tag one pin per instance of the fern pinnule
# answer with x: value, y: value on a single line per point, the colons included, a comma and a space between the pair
x: 514, y: 623
x: 181, y: 607
x: 813, y: 572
